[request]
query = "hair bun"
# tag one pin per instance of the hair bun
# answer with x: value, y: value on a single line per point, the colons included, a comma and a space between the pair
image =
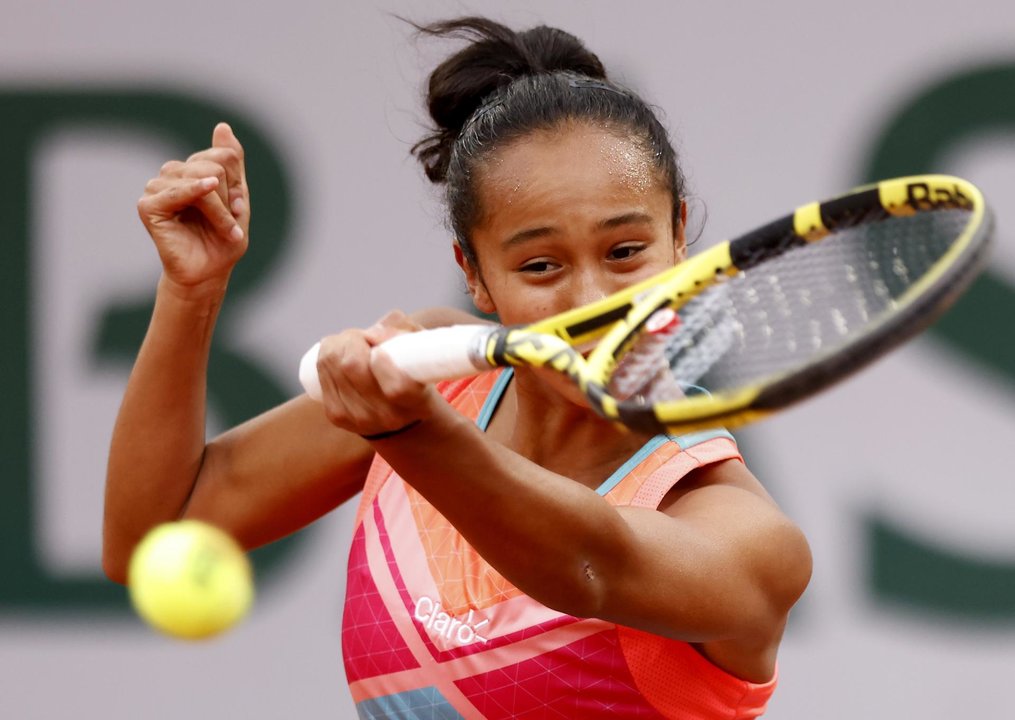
x: 494, y: 57
x: 551, y: 49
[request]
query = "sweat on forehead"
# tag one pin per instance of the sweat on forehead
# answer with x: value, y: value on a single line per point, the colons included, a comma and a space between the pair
x: 572, y: 161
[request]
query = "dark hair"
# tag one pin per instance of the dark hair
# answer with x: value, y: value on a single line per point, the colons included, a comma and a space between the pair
x: 504, y: 85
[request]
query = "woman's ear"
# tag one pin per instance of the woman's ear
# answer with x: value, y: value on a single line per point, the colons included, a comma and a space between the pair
x: 474, y: 281
x: 680, y: 235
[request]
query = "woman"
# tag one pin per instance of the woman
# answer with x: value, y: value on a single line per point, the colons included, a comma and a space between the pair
x: 514, y: 555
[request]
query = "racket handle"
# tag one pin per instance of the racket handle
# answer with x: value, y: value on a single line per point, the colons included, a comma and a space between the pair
x: 426, y: 356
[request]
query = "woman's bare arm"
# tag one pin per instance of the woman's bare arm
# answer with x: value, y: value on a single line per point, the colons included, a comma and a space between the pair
x: 718, y: 564
x: 261, y: 480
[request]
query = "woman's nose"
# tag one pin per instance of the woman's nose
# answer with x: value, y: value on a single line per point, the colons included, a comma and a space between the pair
x: 588, y: 286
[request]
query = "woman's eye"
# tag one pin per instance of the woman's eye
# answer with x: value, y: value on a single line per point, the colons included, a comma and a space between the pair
x: 625, y: 252
x: 537, y: 266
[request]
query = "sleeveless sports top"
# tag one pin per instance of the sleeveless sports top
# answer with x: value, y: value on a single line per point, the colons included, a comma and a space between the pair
x: 432, y: 631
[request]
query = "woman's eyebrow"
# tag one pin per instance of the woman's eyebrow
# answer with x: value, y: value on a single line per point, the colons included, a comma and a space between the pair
x: 631, y: 218
x: 530, y: 234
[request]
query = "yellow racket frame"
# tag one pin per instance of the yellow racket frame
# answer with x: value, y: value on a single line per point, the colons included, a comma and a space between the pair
x: 614, y: 321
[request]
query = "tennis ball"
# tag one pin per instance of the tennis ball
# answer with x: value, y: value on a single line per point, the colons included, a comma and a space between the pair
x: 190, y: 580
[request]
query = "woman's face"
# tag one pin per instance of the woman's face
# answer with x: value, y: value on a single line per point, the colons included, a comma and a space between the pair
x: 569, y: 216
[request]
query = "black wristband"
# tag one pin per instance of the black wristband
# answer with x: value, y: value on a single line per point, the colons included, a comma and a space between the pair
x: 391, y: 433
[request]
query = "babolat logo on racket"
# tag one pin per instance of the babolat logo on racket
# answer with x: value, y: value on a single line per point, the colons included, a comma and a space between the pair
x: 927, y: 196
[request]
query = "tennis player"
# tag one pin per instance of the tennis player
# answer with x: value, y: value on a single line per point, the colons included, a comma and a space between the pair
x: 514, y: 555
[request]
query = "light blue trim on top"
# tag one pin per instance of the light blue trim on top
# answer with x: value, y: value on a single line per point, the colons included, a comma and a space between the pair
x: 632, y: 462
x: 696, y: 438
x: 422, y: 704
x: 493, y: 399
x: 684, y: 441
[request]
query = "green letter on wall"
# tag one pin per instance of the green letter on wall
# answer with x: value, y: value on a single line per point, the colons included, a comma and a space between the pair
x: 238, y: 386
x: 922, y: 572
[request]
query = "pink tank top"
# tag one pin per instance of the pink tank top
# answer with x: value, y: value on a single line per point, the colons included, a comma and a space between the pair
x: 432, y: 631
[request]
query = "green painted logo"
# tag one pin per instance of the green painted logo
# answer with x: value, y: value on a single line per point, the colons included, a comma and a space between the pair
x: 924, y: 572
x: 239, y: 386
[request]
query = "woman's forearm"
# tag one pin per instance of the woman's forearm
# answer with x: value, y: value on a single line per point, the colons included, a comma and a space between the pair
x: 159, y: 437
x: 550, y: 536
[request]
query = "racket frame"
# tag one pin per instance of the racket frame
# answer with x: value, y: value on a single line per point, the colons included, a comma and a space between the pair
x: 936, y: 290
x: 615, y: 321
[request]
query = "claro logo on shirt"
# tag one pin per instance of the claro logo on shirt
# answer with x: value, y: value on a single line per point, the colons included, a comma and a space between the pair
x: 445, y: 629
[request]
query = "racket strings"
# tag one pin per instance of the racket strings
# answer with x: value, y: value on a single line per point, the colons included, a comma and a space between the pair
x: 644, y: 373
x: 789, y: 311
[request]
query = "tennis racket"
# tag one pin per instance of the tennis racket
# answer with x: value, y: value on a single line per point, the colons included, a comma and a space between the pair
x: 750, y: 325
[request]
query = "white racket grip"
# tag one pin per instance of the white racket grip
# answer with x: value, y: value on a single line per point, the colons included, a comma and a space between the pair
x: 426, y: 356
x: 440, y: 354
x: 309, y: 378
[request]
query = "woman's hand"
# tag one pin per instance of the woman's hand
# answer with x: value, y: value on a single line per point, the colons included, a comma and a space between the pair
x: 365, y: 392
x: 198, y: 214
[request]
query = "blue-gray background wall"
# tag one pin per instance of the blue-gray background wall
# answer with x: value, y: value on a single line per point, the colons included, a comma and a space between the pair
x: 902, y: 477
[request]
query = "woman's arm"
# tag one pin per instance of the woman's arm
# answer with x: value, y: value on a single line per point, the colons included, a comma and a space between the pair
x: 260, y: 481
x: 719, y: 561
x: 719, y: 564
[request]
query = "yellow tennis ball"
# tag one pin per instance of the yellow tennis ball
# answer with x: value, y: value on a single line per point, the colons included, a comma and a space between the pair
x: 190, y: 580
